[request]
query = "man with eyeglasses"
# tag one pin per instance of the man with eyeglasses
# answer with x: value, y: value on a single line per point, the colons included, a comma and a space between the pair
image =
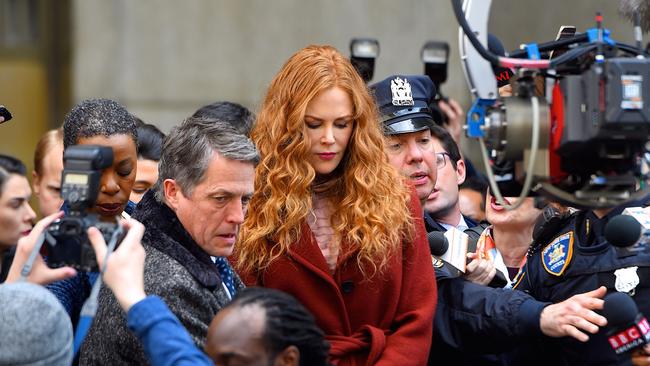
x: 441, y: 206
x: 473, y: 323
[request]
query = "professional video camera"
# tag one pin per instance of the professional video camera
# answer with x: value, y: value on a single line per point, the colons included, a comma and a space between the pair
x: 80, y: 184
x: 581, y: 144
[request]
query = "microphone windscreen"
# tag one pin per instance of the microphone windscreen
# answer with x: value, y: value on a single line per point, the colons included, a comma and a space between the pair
x: 619, y: 309
x: 629, y: 8
x: 437, y: 243
x: 622, y: 231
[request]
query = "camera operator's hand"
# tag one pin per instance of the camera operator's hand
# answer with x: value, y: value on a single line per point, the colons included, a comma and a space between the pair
x: 455, y: 118
x: 480, y: 271
x: 575, y: 315
x: 124, y: 273
x: 40, y: 274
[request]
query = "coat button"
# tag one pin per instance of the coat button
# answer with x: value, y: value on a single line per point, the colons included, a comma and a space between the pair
x: 347, y: 286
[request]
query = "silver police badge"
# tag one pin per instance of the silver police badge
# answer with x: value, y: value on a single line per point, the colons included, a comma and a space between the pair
x: 626, y: 280
x: 401, y: 91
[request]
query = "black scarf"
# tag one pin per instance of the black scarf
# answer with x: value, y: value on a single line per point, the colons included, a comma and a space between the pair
x: 165, y: 233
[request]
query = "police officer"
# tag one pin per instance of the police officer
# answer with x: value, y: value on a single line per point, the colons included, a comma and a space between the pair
x: 471, y: 320
x: 574, y: 257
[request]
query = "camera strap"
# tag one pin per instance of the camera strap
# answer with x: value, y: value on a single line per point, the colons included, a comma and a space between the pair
x: 89, y: 308
x: 27, y: 267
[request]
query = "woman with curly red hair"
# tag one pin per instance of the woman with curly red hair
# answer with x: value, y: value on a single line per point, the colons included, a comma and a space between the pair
x: 331, y: 222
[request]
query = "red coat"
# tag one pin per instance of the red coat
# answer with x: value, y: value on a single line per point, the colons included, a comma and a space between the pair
x: 386, y: 321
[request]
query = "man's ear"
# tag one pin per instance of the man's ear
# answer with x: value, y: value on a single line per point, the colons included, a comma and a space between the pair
x: 290, y: 356
x: 460, y: 171
x: 36, y: 180
x: 172, y: 193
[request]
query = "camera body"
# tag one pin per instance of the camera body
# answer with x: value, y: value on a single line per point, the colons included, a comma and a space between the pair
x: 607, y: 122
x: 80, y: 184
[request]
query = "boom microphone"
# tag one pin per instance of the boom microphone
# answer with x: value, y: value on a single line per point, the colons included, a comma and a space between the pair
x: 629, y: 329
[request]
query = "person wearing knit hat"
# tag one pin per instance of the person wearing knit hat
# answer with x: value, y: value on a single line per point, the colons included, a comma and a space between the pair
x: 35, y: 328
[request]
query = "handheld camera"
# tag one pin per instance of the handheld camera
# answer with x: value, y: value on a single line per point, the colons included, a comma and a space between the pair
x: 80, y: 184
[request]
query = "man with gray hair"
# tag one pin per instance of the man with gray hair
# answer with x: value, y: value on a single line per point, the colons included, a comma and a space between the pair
x: 192, y: 217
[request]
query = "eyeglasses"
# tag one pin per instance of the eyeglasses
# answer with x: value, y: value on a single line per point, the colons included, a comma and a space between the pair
x: 440, y: 160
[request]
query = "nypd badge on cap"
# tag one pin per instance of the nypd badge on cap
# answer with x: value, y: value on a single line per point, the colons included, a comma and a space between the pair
x: 404, y: 102
x: 401, y: 90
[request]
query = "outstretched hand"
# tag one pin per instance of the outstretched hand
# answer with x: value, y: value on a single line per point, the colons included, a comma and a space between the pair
x: 40, y: 274
x: 574, y: 316
x: 124, y: 273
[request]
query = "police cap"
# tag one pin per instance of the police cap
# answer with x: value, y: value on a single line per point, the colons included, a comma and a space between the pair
x: 404, y: 103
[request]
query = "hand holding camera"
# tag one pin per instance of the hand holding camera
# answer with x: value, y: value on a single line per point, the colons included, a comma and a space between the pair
x: 83, y: 165
x: 40, y: 273
x: 124, y: 269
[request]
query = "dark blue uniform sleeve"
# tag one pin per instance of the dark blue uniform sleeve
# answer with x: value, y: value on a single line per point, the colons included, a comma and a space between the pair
x: 483, y: 319
x: 164, y: 339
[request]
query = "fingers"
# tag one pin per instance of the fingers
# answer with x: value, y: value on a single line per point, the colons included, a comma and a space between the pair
x: 591, y: 299
x: 599, y: 292
x: 452, y: 115
x: 570, y: 318
x: 472, y: 255
x: 134, y: 235
x: 455, y: 106
x: 490, y: 275
x: 480, y: 271
x: 446, y: 109
x: 99, y: 245
x: 58, y: 274
x: 471, y: 266
x: 46, y: 221
x: 575, y: 333
x: 40, y: 226
x: 583, y: 324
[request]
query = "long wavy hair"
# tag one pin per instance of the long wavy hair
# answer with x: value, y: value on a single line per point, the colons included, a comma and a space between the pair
x: 370, y: 199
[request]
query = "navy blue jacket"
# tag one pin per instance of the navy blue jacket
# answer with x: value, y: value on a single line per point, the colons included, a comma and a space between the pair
x: 474, y: 323
x: 579, y: 259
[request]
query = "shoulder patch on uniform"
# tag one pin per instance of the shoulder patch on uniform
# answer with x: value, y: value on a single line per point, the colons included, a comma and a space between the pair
x: 557, y: 255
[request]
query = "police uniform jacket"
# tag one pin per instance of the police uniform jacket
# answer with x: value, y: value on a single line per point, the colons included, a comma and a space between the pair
x: 475, y: 323
x: 576, y: 260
